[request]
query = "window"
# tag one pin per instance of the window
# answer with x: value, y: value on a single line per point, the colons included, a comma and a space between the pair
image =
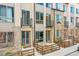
x: 26, y: 18
x: 58, y: 18
x: 58, y: 33
x: 48, y: 19
x: 47, y: 36
x: 25, y: 38
x: 48, y: 5
x: 65, y: 34
x: 39, y: 36
x: 72, y: 20
x: 65, y: 22
x: 58, y: 5
x: 64, y: 6
x: 39, y: 16
x: 6, y: 38
x: 72, y: 9
x: 6, y: 14
x: 10, y: 36
x: 77, y: 11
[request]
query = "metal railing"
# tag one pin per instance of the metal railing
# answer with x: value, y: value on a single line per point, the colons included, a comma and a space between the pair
x: 28, y: 23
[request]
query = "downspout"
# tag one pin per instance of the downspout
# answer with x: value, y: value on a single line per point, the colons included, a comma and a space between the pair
x: 54, y: 25
x: 34, y: 25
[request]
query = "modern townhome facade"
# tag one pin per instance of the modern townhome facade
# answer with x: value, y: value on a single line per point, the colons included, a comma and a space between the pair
x: 16, y: 26
x: 45, y: 27
x: 58, y: 21
x: 70, y: 27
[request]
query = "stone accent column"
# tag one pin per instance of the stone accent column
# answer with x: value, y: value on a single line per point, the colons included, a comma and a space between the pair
x: 17, y: 27
x: 44, y: 40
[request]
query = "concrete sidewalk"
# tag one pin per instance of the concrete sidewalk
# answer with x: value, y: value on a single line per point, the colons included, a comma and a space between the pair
x: 61, y: 52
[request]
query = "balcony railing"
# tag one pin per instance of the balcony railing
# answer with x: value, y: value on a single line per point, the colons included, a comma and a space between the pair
x: 39, y: 21
x: 48, y: 23
x: 66, y: 24
x: 27, y: 23
x: 6, y: 20
x: 77, y: 25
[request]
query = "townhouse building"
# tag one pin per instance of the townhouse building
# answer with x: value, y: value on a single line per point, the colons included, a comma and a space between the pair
x: 16, y: 27
x: 42, y: 26
x: 70, y: 20
x: 58, y: 21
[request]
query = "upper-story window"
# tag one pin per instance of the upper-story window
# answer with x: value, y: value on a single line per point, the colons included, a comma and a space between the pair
x: 58, y: 5
x: 77, y: 11
x: 65, y: 8
x: 48, y: 20
x: 48, y: 5
x: 39, y: 17
x: 72, y: 9
x: 58, y: 18
x: 26, y: 18
x: 6, y: 14
x: 48, y: 17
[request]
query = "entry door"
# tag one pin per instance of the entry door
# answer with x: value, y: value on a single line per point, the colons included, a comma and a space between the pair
x: 48, y: 36
x: 25, y: 38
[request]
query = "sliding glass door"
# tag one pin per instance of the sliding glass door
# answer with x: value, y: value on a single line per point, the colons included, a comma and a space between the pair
x: 25, y: 38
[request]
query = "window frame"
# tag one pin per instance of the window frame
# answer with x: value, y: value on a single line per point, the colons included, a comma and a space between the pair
x: 5, y: 18
x: 25, y: 39
x: 25, y: 21
x: 58, y: 18
x: 7, y: 37
x: 38, y: 36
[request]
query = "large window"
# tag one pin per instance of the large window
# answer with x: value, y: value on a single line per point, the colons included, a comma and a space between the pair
x: 39, y: 17
x: 58, y: 18
x: 39, y: 36
x: 6, y: 38
x: 25, y: 38
x: 6, y: 14
x: 26, y: 18
x: 72, y: 9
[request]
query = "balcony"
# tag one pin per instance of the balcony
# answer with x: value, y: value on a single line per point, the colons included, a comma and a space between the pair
x: 77, y: 25
x: 27, y: 22
x: 66, y: 24
x: 48, y: 23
